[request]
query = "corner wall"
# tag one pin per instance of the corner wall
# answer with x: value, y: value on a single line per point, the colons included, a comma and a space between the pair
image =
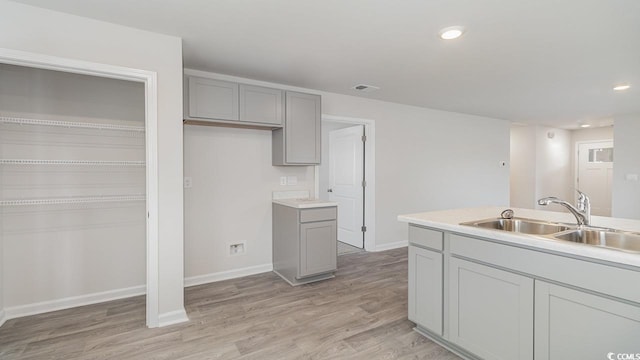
x: 626, y: 193
x: 523, y: 167
x: 46, y: 32
x: 540, y: 166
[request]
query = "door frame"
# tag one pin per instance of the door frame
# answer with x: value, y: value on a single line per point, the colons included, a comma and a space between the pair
x: 576, y: 165
x: 149, y: 79
x: 369, y: 175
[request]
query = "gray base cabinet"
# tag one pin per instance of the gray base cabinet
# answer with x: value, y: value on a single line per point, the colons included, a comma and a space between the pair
x: 425, y: 292
x: 572, y: 324
x: 491, y: 311
x: 425, y: 278
x: 298, y: 142
x: 304, y: 243
x: 487, y: 300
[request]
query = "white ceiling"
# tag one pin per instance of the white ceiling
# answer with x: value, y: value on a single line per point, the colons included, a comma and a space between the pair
x: 548, y: 62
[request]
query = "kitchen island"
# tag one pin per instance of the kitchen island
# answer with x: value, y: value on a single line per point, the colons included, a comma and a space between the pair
x: 493, y: 294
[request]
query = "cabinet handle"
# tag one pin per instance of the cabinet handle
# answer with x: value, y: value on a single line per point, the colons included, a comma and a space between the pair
x: 329, y: 190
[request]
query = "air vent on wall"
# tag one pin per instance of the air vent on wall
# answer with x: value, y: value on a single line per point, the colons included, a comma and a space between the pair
x: 365, y: 88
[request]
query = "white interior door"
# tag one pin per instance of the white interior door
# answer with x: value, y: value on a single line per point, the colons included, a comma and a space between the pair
x: 595, y: 173
x: 346, y: 176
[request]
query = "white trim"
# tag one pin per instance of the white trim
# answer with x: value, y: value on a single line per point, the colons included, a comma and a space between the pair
x: 149, y: 78
x: 370, y: 175
x: 3, y: 318
x: 393, y: 245
x: 172, y: 317
x: 73, y: 301
x: 226, y: 275
x: 153, y: 222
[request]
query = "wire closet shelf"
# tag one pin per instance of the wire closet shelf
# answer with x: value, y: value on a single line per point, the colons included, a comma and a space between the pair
x: 73, y: 200
x: 70, y: 124
x: 71, y: 162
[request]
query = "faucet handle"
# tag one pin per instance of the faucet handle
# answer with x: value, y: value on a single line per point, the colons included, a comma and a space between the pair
x: 583, y: 200
x: 507, y: 214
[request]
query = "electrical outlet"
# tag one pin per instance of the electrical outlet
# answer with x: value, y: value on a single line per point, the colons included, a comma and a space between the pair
x: 236, y: 249
x: 283, y: 180
x: 188, y: 182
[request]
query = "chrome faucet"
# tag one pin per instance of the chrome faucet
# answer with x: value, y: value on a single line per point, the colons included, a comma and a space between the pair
x: 582, y: 210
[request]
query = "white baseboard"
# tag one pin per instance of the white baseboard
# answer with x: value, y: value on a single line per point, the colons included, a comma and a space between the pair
x: 74, y: 301
x: 226, y: 275
x: 2, y: 317
x: 393, y: 245
x: 172, y: 317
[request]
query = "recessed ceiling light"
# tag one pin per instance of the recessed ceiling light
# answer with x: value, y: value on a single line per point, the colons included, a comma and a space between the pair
x: 585, y: 125
x: 621, y: 87
x: 451, y: 32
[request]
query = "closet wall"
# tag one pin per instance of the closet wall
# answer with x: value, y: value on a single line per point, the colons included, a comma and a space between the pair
x: 72, y: 197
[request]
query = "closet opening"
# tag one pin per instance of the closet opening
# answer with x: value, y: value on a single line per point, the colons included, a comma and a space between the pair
x: 78, y: 185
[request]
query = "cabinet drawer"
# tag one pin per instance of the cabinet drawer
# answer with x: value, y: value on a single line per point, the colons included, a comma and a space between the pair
x: 425, y: 237
x: 321, y: 214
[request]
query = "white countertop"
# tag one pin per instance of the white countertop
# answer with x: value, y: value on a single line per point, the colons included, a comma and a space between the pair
x: 304, y: 203
x: 449, y: 220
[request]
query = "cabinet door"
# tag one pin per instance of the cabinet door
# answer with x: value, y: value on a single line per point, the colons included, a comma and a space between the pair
x: 425, y: 288
x: 572, y: 324
x: 302, y: 128
x: 318, y: 247
x: 261, y: 105
x: 491, y: 311
x: 213, y: 99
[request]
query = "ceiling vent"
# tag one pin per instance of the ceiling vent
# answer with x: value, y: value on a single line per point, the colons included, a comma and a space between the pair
x: 365, y: 88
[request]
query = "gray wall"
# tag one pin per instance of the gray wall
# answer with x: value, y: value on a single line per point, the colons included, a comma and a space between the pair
x: 540, y: 166
x: 626, y: 193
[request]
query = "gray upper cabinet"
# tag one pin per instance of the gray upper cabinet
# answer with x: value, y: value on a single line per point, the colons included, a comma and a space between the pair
x: 213, y: 99
x: 261, y: 105
x: 219, y: 102
x: 298, y: 143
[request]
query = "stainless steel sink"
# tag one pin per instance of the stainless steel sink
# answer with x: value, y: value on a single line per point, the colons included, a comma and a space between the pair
x: 520, y: 225
x: 607, y: 238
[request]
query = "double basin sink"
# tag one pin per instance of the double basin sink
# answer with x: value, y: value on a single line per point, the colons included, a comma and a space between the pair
x: 609, y: 238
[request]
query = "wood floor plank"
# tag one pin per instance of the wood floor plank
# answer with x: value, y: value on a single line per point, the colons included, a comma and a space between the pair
x: 360, y: 314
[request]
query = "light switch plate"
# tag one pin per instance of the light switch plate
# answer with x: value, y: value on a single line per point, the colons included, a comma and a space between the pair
x: 292, y: 180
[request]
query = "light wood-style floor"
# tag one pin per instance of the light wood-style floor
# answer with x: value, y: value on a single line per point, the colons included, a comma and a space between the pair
x: 361, y: 314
